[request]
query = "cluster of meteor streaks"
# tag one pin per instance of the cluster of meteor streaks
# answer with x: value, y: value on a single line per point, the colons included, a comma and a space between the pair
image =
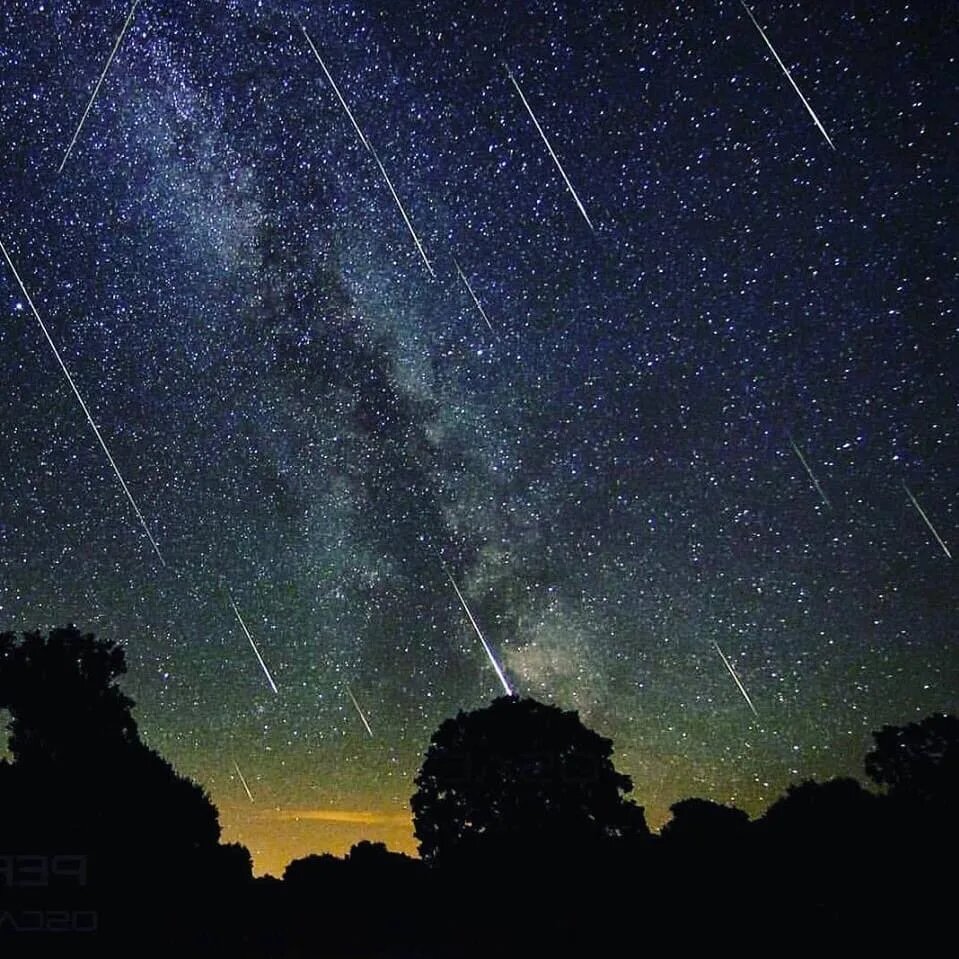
x: 310, y: 410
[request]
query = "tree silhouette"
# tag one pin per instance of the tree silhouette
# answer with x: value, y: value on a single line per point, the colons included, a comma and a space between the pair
x: 374, y: 858
x: 705, y: 825
x: 314, y: 871
x: 81, y: 781
x: 918, y: 762
x: 520, y: 776
x: 69, y: 674
x: 812, y: 813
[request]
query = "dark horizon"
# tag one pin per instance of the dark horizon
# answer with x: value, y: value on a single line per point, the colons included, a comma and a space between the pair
x: 518, y: 803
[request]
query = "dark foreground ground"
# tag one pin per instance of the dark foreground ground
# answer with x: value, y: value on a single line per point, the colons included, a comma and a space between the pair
x: 899, y: 895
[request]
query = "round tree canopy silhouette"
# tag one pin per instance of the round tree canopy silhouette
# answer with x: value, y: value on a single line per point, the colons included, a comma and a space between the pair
x: 918, y: 762
x: 705, y: 824
x: 519, y: 776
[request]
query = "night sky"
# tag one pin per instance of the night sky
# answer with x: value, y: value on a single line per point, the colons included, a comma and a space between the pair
x: 319, y: 430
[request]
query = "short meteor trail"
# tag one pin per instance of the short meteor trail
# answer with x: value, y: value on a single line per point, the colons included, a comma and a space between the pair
x: 406, y: 219
x: 253, y: 644
x: 482, y: 639
x: 928, y: 522
x: 772, y: 49
x: 732, y: 672
x: 349, y: 692
x: 479, y: 305
x: 815, y: 482
x: 96, y: 89
x: 336, y: 90
x: 549, y: 147
x: 242, y: 780
x: 83, y: 406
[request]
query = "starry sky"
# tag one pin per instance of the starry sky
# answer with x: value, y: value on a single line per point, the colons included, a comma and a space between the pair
x: 710, y: 385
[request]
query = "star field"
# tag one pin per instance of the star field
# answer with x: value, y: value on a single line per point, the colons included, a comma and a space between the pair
x: 317, y: 428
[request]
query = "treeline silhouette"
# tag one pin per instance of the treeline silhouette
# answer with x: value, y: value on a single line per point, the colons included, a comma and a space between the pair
x: 529, y: 843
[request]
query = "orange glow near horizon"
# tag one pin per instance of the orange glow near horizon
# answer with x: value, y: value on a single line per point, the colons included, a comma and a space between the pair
x: 276, y: 836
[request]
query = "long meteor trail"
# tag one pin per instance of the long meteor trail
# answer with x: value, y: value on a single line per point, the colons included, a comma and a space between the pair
x: 772, y: 50
x: 336, y: 90
x: 399, y: 204
x: 732, y: 672
x: 242, y: 780
x: 83, y: 406
x: 96, y: 89
x: 479, y: 305
x: 266, y: 672
x: 369, y: 146
x: 349, y: 692
x: 922, y: 513
x: 549, y: 147
x: 489, y: 652
x: 815, y: 482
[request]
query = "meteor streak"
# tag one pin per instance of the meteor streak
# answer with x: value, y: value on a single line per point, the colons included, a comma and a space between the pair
x: 253, y: 644
x: 928, y: 522
x: 482, y: 639
x: 772, y: 50
x: 349, y: 692
x: 96, y: 89
x: 479, y: 305
x: 83, y: 406
x: 406, y: 219
x: 815, y: 482
x: 336, y: 90
x: 242, y: 780
x: 732, y: 672
x: 559, y: 166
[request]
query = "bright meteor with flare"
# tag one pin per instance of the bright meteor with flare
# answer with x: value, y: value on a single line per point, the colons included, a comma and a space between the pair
x: 489, y: 652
